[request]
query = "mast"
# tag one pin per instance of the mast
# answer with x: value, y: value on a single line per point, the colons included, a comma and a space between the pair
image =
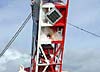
x: 48, y: 35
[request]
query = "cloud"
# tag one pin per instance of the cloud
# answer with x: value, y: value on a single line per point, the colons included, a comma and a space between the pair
x: 83, y: 60
x: 13, y: 58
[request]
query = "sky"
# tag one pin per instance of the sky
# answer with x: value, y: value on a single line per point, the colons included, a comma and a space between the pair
x: 81, y: 53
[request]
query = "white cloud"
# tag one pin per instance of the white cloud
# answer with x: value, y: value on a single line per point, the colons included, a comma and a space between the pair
x: 13, y: 56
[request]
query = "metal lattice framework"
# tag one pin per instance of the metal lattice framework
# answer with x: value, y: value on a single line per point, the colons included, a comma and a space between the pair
x: 49, y: 27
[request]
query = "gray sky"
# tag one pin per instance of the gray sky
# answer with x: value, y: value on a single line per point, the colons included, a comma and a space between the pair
x: 81, y: 49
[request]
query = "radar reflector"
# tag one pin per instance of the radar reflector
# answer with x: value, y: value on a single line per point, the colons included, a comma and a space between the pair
x: 53, y: 16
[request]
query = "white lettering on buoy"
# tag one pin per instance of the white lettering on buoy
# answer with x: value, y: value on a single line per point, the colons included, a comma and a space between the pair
x: 21, y: 69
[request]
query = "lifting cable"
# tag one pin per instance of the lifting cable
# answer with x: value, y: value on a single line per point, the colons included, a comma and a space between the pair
x: 82, y: 29
x: 15, y: 35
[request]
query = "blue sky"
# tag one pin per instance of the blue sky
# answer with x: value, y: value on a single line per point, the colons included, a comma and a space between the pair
x: 81, y: 49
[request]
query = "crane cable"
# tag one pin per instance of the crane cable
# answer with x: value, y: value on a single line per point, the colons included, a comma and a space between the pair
x: 15, y: 35
x: 82, y: 29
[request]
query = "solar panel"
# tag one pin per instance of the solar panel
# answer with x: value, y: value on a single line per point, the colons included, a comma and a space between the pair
x: 53, y: 16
